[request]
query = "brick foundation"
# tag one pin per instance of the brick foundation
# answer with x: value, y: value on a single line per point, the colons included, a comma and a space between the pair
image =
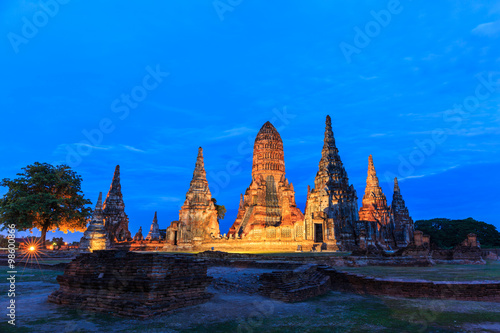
x: 129, y: 284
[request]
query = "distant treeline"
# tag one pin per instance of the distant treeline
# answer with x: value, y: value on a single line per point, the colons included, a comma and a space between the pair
x: 447, y: 233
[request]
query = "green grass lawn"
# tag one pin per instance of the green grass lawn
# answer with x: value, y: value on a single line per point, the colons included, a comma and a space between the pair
x: 490, y: 271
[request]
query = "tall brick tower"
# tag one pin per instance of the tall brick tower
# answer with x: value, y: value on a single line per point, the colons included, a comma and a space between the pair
x: 403, y: 223
x: 269, y: 201
x: 332, y: 209
x: 116, y: 220
x: 375, y: 209
x: 198, y: 215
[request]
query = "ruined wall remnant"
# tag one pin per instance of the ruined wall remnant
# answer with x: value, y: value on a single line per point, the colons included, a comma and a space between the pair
x: 129, y: 284
x: 294, y: 286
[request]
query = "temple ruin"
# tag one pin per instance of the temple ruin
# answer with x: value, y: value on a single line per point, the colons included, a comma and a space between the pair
x: 331, y: 209
x: 96, y: 236
x: 267, y: 210
x: 197, y: 217
x: 268, y: 218
x: 403, y: 223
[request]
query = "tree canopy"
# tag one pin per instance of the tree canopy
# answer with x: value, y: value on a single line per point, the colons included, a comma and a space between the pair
x: 45, y: 197
x: 447, y: 233
x: 221, y: 210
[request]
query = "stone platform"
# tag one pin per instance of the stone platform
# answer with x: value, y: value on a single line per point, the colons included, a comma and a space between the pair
x: 294, y: 286
x: 129, y: 284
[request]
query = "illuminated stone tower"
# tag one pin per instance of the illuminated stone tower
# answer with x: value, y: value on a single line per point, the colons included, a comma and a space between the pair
x: 198, y: 215
x: 95, y: 237
x: 269, y: 201
x: 375, y: 209
x: 116, y: 220
x: 332, y: 209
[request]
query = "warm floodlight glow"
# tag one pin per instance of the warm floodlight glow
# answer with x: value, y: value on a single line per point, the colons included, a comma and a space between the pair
x: 32, y: 250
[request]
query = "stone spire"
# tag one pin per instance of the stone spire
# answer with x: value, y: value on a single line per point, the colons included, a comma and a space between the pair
x: 198, y: 215
x: 97, y: 214
x: 403, y: 223
x: 331, y: 175
x: 332, y: 198
x: 373, y: 190
x: 138, y: 236
x: 199, y: 192
x: 374, y: 206
x: 199, y: 170
x: 95, y: 237
x: 114, y: 210
x: 374, y: 210
x: 396, y: 185
x: 154, y: 231
x: 329, y: 148
x: 116, y: 187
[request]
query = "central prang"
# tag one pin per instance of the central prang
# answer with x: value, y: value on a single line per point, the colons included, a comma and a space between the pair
x: 269, y: 201
x: 268, y: 155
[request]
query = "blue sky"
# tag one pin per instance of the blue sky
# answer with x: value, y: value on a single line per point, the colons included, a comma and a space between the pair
x: 416, y: 84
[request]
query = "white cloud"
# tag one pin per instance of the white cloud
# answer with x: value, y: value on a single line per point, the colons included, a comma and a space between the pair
x: 93, y: 147
x: 63, y: 147
x: 133, y: 149
x: 490, y: 29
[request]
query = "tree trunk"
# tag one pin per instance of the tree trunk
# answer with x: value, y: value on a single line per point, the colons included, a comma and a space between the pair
x: 44, y: 234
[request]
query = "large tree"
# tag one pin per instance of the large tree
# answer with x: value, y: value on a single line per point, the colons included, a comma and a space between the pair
x: 45, y: 197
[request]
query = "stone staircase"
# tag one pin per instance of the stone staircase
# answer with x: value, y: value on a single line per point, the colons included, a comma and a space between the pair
x: 245, y: 220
